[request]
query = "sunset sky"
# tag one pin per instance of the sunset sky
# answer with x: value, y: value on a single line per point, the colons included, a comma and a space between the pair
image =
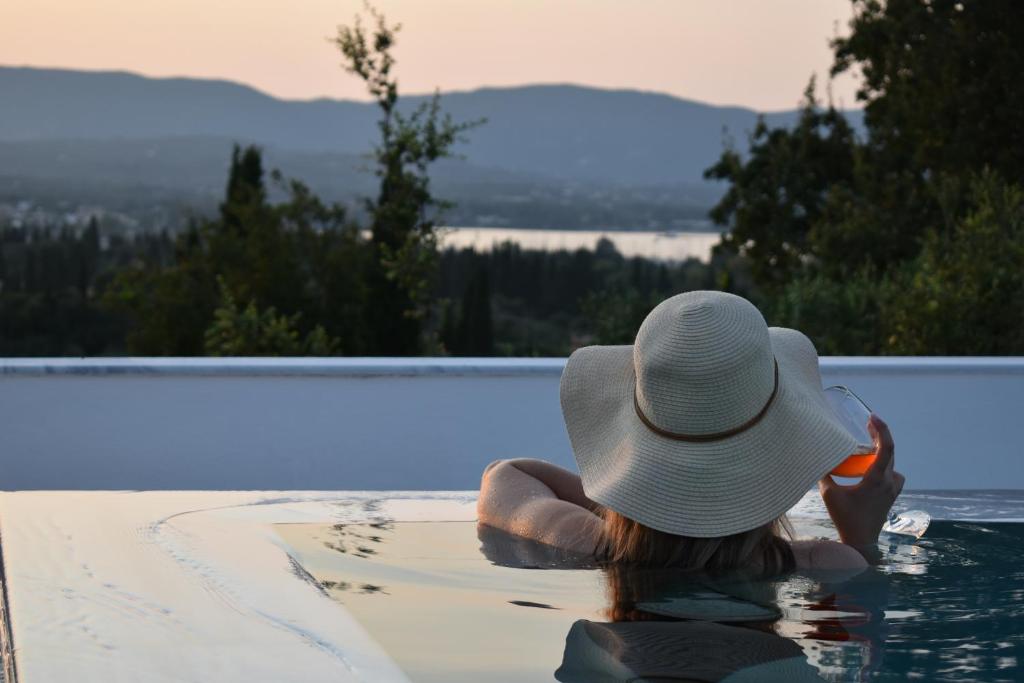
x: 746, y: 52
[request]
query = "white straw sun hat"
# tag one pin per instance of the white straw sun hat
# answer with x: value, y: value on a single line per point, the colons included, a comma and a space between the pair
x: 711, y: 424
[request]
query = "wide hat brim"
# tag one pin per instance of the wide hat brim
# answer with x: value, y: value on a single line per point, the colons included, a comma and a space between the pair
x: 701, y: 489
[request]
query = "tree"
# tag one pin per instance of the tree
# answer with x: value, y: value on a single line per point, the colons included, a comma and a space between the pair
x: 616, y: 314
x: 941, y: 84
x: 942, y: 102
x: 860, y: 242
x: 474, y: 333
x: 447, y: 331
x: 167, y: 309
x: 251, y: 332
x: 404, y: 212
x: 301, y: 260
x: 842, y: 316
x: 964, y: 293
x: 245, y: 186
x: 87, y: 256
x: 779, y: 192
x: 49, y: 284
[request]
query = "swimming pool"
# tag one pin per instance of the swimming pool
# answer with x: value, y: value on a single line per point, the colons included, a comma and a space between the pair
x: 453, y: 602
x: 179, y: 576
x: 350, y: 586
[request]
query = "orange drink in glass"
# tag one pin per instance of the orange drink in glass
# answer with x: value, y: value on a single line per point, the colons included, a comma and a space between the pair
x: 853, y: 413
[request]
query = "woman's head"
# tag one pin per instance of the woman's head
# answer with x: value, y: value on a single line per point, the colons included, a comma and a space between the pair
x: 644, y: 564
x: 703, y: 432
x: 762, y: 549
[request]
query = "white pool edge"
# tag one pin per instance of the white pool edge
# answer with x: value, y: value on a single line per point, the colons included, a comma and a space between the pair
x: 7, y: 658
x: 443, y: 366
x: 174, y: 586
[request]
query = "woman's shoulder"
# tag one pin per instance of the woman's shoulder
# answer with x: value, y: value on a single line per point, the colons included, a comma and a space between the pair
x: 822, y: 554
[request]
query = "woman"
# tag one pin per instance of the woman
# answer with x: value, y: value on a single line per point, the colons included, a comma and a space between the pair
x: 692, y: 444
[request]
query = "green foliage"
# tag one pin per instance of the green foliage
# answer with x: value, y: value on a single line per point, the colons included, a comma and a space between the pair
x: 404, y: 212
x: 473, y: 334
x: 843, y: 317
x: 300, y: 258
x: 167, y: 308
x: 165, y: 295
x: 51, y: 284
x: 616, y: 314
x: 964, y: 294
x: 908, y: 241
x: 779, y: 192
x: 251, y: 332
x: 245, y: 186
x: 547, y: 303
x: 941, y: 84
x: 307, y: 275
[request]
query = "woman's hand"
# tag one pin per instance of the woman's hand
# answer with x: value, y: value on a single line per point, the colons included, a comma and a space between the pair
x: 860, y: 510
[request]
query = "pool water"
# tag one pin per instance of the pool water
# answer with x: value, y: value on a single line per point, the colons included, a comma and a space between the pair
x: 451, y: 601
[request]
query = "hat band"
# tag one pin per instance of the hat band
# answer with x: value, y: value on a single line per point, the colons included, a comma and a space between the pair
x: 707, y: 437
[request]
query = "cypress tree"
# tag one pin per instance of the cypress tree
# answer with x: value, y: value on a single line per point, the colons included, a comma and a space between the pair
x: 448, y: 333
x: 245, y: 185
x: 476, y: 329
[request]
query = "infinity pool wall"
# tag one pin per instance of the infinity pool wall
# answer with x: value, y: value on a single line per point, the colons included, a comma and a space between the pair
x: 426, y: 423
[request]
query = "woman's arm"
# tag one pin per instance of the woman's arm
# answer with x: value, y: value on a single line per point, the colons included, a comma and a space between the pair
x: 522, y: 498
x: 564, y: 484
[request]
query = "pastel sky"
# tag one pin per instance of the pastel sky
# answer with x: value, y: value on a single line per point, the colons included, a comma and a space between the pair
x: 757, y: 53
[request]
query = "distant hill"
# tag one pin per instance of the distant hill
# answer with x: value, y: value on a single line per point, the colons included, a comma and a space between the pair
x: 568, y: 133
x: 156, y: 182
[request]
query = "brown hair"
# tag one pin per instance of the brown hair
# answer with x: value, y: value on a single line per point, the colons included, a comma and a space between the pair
x: 634, y: 553
x: 762, y: 550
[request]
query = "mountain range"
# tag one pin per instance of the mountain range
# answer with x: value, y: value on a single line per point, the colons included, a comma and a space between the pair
x: 543, y: 141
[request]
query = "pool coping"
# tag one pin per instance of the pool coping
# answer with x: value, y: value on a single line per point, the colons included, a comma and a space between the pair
x: 83, y: 586
x: 7, y: 659
x: 442, y: 367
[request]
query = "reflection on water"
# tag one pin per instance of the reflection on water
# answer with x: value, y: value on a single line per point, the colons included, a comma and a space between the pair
x: 451, y: 602
x: 679, y: 650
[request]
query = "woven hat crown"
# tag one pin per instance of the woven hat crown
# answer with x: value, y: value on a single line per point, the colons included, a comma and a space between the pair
x: 704, y: 363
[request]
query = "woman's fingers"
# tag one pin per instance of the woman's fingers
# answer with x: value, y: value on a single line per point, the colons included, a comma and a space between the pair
x: 828, y: 485
x: 885, y: 449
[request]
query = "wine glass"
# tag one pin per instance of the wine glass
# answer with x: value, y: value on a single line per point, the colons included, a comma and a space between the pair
x: 853, y: 414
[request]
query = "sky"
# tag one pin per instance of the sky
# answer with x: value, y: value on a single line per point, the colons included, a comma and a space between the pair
x: 732, y: 52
